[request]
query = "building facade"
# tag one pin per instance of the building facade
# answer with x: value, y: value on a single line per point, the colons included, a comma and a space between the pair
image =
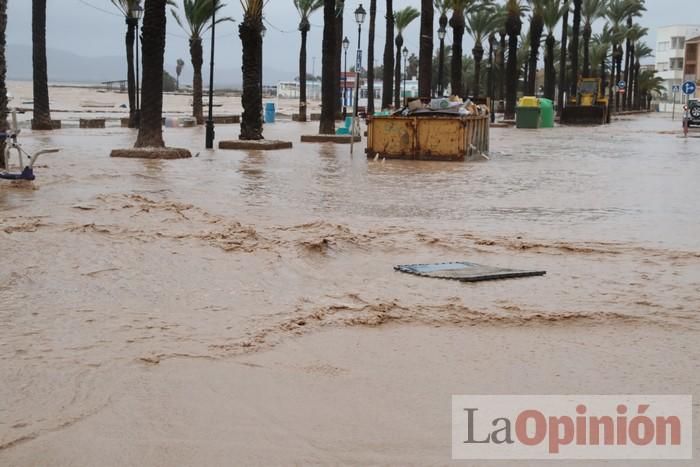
x: 691, y: 63
x: 670, y: 52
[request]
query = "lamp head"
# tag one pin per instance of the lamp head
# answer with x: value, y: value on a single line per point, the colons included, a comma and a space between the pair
x: 360, y: 14
x: 346, y: 43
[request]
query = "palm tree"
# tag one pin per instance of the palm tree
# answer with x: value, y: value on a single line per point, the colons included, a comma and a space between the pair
x: 591, y: 10
x: 370, y: 56
x: 3, y: 76
x: 650, y: 85
x: 198, y: 15
x: 153, y: 47
x: 402, y: 19
x: 599, y: 54
x: 514, y: 25
x: 251, y: 40
x: 480, y: 24
x: 338, y: 51
x: 633, y: 35
x: 641, y: 51
x: 42, y: 113
x: 387, y: 77
x: 575, y: 46
x: 441, y: 6
x: 553, y: 12
x: 618, y: 11
x: 425, y: 69
x: 566, y: 7
x: 328, y: 83
x: 458, y: 25
x: 305, y: 9
x: 536, y: 29
x: 126, y: 7
x: 180, y: 65
x: 636, y: 7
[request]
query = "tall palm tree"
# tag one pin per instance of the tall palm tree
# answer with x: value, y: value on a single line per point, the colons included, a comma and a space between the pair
x: 553, y: 12
x: 441, y: 6
x: 338, y: 54
x: 402, y: 19
x: 458, y: 25
x: 641, y: 51
x: 636, y: 7
x: 536, y: 29
x: 515, y: 10
x: 480, y: 24
x: 251, y: 40
x: 576, y: 34
x: 618, y: 11
x: 425, y: 68
x: 3, y: 76
x: 198, y: 15
x: 180, y: 65
x: 599, y: 54
x: 650, y: 85
x: 328, y: 83
x: 370, y: 56
x: 305, y: 9
x: 387, y: 76
x: 591, y: 10
x: 41, y: 119
x: 633, y: 35
x: 563, y: 88
x: 153, y: 47
x: 126, y: 7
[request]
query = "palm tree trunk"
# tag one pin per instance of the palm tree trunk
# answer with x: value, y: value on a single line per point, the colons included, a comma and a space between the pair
x: 132, y: 24
x: 338, y: 54
x: 3, y: 77
x: 536, y: 28
x: 502, y: 66
x: 630, y: 77
x: 153, y: 51
x: 397, y: 72
x: 618, y: 77
x: 512, y: 76
x: 251, y: 40
x: 575, y: 47
x: 587, y: 31
x: 637, y: 68
x: 42, y: 113
x: 370, y: 56
x: 457, y: 23
x: 328, y: 83
x: 387, y: 78
x: 425, y: 67
x: 478, y: 53
x: 550, y: 73
x: 196, y: 53
x: 628, y: 48
x: 302, y: 76
x: 562, y: 61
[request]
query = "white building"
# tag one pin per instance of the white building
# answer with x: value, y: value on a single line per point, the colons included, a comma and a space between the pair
x: 670, y: 52
x: 290, y: 90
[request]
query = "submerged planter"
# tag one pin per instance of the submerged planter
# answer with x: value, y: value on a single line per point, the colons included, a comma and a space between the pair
x: 338, y: 139
x: 261, y: 145
x: 152, y: 153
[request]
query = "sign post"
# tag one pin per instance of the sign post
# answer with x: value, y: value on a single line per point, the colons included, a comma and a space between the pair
x: 675, y: 89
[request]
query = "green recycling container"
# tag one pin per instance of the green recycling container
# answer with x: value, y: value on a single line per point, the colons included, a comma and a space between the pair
x: 527, y: 117
x: 546, y: 113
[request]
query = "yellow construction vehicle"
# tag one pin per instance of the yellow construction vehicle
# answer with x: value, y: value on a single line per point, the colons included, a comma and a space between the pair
x: 589, y: 106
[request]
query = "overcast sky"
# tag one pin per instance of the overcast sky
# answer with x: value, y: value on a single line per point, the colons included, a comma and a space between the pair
x: 94, y: 28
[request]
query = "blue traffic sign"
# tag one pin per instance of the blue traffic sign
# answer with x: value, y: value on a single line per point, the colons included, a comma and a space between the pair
x: 622, y: 85
x: 689, y: 88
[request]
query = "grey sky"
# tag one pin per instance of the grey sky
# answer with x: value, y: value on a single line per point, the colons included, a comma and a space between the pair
x: 76, y: 27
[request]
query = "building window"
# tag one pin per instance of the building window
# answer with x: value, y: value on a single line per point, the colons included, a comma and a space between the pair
x: 676, y: 64
x: 663, y: 66
x: 677, y: 43
x: 663, y: 46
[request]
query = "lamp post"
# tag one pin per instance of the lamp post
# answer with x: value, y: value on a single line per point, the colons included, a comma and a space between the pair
x: 346, y: 45
x: 360, y: 15
x: 135, y: 16
x: 405, y: 72
x: 209, y: 143
x: 441, y: 66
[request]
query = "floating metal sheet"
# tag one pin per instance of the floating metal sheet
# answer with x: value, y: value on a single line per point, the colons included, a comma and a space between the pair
x: 465, y: 272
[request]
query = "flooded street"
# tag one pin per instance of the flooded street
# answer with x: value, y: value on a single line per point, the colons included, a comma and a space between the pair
x: 120, y: 275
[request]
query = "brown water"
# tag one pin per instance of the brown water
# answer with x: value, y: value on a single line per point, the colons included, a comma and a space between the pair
x: 110, y: 265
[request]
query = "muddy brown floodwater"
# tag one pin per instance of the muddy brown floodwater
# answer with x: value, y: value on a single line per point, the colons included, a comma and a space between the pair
x: 118, y: 274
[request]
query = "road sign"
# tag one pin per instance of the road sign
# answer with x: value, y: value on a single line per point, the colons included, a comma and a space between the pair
x: 689, y: 88
x: 676, y: 88
x: 622, y: 84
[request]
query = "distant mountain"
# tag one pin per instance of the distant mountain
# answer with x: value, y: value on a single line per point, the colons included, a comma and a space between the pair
x: 67, y: 67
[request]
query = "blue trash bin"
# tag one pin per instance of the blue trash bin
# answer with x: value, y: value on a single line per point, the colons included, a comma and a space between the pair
x: 270, y: 112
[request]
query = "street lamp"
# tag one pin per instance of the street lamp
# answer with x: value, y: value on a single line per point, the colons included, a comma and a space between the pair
x: 209, y: 143
x: 346, y: 45
x: 405, y: 72
x: 441, y: 67
x: 360, y: 15
x: 135, y: 15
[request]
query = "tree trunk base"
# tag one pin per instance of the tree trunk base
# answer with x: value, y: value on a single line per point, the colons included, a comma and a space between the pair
x: 261, y: 145
x: 152, y: 153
